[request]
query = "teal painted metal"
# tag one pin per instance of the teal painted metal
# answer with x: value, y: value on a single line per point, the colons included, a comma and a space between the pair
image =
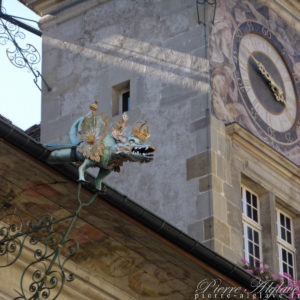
x: 94, y: 147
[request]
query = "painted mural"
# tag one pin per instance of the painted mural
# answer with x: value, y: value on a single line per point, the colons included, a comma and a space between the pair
x: 227, y: 100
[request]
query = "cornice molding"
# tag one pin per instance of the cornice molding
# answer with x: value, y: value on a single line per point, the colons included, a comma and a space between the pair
x: 288, y: 10
x: 54, y: 12
x: 263, y: 152
x: 266, y: 166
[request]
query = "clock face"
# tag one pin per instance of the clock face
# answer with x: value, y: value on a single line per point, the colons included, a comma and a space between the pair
x: 265, y: 83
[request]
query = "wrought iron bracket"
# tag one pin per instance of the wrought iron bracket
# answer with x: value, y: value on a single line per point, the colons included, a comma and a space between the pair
x: 53, y: 249
x: 21, y: 57
x: 202, y: 5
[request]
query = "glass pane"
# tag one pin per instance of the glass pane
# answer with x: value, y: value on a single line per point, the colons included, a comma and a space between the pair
x: 288, y: 223
x: 290, y: 257
x: 285, y: 269
x: 282, y: 220
x: 125, y: 102
x: 257, y: 252
x: 256, y: 239
x: 254, y: 201
x: 291, y: 272
x: 250, y: 237
x: 284, y: 258
x: 288, y: 237
x: 283, y: 233
x: 251, y: 261
x: 255, y: 218
x: 248, y: 197
x: 249, y: 212
x: 250, y: 248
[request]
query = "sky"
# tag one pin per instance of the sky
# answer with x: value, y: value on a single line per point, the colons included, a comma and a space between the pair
x: 20, y: 99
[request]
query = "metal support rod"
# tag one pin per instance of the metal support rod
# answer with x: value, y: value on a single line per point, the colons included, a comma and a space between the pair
x: 54, y: 249
x: 19, y: 23
x: 12, y: 38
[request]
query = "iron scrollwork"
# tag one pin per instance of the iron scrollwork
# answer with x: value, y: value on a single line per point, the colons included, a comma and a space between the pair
x: 21, y: 57
x: 45, y: 276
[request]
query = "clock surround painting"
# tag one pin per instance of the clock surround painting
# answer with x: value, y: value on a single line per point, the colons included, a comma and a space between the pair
x: 255, y: 73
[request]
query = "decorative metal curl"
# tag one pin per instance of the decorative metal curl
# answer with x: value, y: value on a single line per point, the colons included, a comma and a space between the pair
x: 30, y: 56
x: 11, y: 239
x: 45, y: 276
x: 20, y: 57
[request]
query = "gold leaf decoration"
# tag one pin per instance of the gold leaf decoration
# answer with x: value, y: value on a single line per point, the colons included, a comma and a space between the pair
x: 141, y: 131
x: 118, y: 133
x: 93, y: 132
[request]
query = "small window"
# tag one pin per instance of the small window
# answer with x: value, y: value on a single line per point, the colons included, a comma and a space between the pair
x: 286, y: 248
x: 286, y: 261
x: 125, y: 101
x: 252, y: 250
x: 250, y: 205
x: 121, y: 98
x: 285, y: 229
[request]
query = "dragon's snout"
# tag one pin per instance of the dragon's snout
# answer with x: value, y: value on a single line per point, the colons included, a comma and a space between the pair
x: 144, y: 151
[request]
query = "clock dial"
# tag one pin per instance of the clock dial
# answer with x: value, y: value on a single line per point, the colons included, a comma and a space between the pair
x: 278, y: 115
x: 265, y: 82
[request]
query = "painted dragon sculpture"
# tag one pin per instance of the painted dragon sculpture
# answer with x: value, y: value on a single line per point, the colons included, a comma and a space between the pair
x: 92, y: 146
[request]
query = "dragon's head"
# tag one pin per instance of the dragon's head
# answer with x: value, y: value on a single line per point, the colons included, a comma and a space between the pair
x: 132, y: 147
x: 135, y: 150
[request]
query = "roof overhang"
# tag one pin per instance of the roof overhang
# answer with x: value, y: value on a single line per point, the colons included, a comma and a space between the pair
x: 121, y: 243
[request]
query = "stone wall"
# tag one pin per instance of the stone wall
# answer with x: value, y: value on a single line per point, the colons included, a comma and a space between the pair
x: 160, y: 48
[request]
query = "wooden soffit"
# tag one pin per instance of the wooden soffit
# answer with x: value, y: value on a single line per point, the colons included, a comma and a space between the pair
x: 118, y: 256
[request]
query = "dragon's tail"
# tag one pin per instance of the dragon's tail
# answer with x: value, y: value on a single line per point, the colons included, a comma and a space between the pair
x: 58, y: 146
x: 67, y: 155
x: 74, y: 131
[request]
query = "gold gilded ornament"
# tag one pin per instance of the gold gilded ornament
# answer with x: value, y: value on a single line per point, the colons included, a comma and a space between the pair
x: 141, y: 131
x: 94, y: 106
x: 118, y: 133
x: 93, y: 132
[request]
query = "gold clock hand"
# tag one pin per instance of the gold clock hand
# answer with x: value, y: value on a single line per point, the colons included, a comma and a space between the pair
x: 277, y: 91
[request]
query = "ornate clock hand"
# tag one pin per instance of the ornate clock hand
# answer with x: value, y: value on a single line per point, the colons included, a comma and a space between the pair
x: 277, y: 91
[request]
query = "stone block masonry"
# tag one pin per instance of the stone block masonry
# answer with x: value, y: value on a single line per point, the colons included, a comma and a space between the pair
x: 159, y: 48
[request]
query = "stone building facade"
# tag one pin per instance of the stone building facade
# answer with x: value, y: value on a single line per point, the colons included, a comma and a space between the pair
x: 217, y: 144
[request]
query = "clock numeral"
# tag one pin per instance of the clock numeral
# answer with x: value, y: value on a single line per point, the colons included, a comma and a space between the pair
x: 270, y: 131
x: 266, y: 32
x: 247, y: 84
x: 288, y: 137
x: 235, y: 58
x: 296, y: 77
x: 240, y: 83
x: 283, y: 51
x: 250, y: 26
x: 239, y: 34
x: 253, y: 113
